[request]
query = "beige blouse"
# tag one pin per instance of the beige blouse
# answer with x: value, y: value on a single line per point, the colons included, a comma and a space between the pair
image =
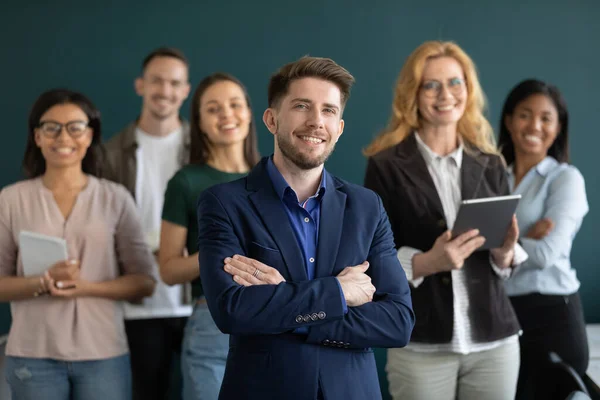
x: 103, y: 232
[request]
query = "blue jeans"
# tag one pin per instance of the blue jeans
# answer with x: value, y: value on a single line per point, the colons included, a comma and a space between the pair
x: 203, y: 356
x: 48, y: 379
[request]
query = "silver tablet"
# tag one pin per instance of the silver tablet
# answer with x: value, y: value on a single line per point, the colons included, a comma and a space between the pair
x: 39, y: 252
x: 491, y: 215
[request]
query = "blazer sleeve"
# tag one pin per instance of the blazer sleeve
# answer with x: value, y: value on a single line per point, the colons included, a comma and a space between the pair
x: 388, y: 320
x: 260, y: 309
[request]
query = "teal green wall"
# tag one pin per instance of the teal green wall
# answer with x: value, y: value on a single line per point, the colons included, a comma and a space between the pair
x: 96, y: 47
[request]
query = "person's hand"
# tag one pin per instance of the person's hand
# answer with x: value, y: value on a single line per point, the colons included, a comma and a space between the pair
x: 540, y: 229
x: 448, y: 254
x: 67, y: 270
x: 503, y: 256
x: 68, y: 288
x: 44, y: 284
x: 248, y: 271
x: 356, y: 285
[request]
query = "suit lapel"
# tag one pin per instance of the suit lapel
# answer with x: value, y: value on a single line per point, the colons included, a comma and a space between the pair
x: 271, y: 211
x: 413, y: 165
x: 472, y: 173
x: 331, y: 222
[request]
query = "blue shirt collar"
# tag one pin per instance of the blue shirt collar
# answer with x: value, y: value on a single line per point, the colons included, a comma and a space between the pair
x: 281, y: 186
x: 542, y: 168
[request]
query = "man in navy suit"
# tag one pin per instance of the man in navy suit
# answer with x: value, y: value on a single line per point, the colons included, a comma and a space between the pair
x: 298, y: 266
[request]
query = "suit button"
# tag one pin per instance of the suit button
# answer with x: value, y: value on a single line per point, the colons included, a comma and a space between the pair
x: 326, y: 342
x: 340, y: 344
x: 442, y: 223
x: 346, y: 345
x: 334, y: 343
x: 306, y: 318
x: 445, y: 280
x: 299, y: 319
x: 314, y: 316
x: 322, y: 315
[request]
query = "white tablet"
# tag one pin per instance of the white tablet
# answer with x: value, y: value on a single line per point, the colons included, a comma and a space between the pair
x: 39, y: 252
x: 491, y: 215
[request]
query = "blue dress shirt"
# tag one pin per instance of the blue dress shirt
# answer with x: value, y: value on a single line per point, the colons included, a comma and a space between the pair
x: 304, y: 218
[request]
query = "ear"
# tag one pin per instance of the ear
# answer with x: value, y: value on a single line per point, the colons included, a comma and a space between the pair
x: 340, y: 130
x: 138, y: 84
x: 508, y: 122
x: 90, y: 137
x: 270, y: 120
x: 37, y: 138
x: 187, y: 91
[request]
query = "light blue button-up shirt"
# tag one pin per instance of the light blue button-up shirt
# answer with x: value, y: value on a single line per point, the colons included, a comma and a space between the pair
x: 556, y: 191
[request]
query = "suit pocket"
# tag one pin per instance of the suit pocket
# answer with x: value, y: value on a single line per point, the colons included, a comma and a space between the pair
x: 260, y: 247
x: 266, y: 255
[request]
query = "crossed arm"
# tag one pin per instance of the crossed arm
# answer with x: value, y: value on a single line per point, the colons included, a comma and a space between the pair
x: 386, y: 321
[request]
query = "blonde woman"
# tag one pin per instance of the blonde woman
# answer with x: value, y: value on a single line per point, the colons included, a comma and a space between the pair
x: 438, y: 150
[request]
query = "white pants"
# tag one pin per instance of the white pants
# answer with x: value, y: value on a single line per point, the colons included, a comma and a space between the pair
x: 489, y: 374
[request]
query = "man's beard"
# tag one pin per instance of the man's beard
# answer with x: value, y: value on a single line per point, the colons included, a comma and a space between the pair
x: 161, y: 116
x: 301, y: 160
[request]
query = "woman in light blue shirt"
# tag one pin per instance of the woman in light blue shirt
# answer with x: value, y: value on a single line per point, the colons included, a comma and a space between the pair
x: 544, y: 290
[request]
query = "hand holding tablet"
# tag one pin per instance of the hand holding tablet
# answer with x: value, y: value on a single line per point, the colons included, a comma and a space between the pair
x: 41, y: 254
x: 492, y: 216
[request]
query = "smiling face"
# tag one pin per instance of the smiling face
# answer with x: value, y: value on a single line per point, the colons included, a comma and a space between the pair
x: 307, y: 122
x: 163, y: 86
x: 224, y: 114
x: 533, y: 125
x: 60, y: 148
x: 443, y: 94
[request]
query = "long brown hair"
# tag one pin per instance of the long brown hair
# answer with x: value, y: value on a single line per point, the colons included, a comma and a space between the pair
x: 473, y: 127
x: 199, y: 144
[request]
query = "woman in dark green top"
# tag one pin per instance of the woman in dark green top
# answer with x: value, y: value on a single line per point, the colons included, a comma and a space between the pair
x: 223, y: 148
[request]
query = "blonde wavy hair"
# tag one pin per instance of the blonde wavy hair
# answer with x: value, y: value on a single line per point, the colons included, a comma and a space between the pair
x: 474, y: 129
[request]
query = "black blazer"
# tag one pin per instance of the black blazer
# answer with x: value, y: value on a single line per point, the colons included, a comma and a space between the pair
x: 400, y: 176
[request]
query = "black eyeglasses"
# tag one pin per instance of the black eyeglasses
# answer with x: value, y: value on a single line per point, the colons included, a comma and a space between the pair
x: 52, y: 129
x: 433, y: 88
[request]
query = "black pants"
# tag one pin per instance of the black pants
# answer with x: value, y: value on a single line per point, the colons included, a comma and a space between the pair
x: 550, y: 323
x: 152, y: 345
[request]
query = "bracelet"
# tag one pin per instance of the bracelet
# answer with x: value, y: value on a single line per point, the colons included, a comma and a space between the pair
x: 42, y: 290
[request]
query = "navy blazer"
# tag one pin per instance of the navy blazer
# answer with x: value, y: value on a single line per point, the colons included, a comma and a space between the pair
x: 266, y: 360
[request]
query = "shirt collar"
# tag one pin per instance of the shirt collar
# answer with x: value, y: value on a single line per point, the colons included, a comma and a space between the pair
x: 429, y: 155
x: 281, y: 186
x: 542, y: 168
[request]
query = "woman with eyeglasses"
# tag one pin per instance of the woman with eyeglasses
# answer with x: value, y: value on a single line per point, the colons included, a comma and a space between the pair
x: 438, y: 150
x: 67, y: 338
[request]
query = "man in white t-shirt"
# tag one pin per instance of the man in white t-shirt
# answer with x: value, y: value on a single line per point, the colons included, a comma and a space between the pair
x: 143, y: 157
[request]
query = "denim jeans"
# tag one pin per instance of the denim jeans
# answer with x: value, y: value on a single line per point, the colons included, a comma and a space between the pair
x: 203, y: 356
x: 48, y: 379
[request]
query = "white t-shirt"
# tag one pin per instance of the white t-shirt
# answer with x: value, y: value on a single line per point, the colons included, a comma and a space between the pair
x: 158, y: 158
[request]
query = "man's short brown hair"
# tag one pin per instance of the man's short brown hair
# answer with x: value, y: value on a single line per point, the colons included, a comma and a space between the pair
x: 165, y: 52
x: 309, y: 67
